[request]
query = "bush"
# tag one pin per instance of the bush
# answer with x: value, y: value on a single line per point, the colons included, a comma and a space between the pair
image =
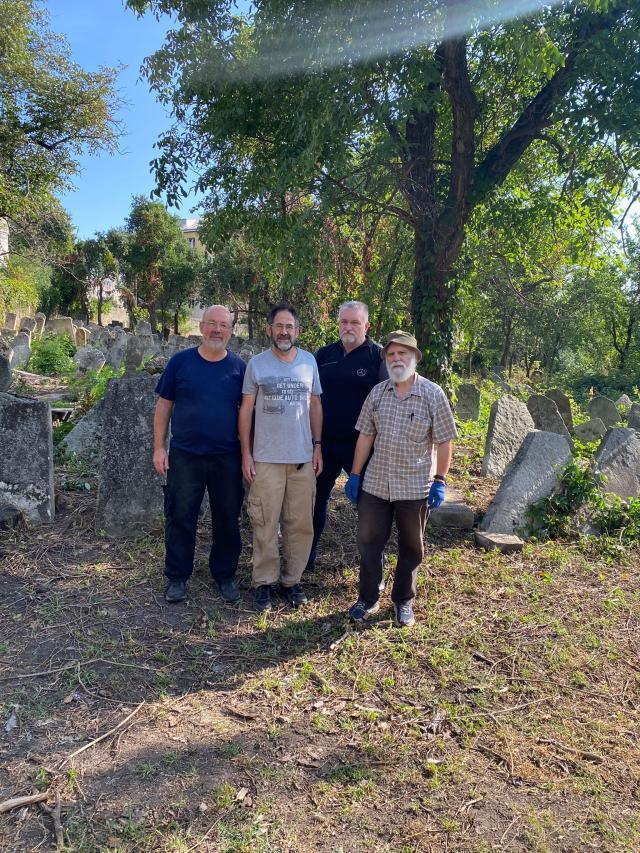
x: 51, y: 355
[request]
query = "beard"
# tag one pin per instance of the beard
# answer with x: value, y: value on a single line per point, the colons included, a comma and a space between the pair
x: 215, y: 345
x: 349, y: 338
x: 284, y: 345
x: 400, y: 372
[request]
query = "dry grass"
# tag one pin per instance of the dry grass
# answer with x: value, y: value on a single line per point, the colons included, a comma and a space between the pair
x: 507, y: 720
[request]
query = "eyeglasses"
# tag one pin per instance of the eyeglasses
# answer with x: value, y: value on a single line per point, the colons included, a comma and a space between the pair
x: 211, y: 324
x: 283, y: 327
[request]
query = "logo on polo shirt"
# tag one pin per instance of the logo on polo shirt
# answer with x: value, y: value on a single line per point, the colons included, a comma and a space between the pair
x: 361, y: 372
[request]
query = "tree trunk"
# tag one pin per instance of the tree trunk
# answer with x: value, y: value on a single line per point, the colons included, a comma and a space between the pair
x: 176, y: 327
x: 153, y: 316
x: 100, y: 300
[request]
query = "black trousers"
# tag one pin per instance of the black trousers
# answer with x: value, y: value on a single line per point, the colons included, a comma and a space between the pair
x: 375, y: 517
x: 334, y: 459
x: 188, y: 477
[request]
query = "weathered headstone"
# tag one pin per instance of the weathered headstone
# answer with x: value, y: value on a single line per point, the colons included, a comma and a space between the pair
x: 116, y: 347
x: 624, y: 402
x: 509, y: 423
x: 129, y: 491
x: 506, y: 543
x: 138, y: 349
x: 11, y: 321
x: 454, y: 512
x: 564, y: 406
x: 89, y: 358
x: 82, y: 336
x: 61, y: 326
x: 40, y: 319
x: 27, y: 324
x: 468, y: 402
x: 605, y: 409
x: 618, y: 459
x: 532, y: 475
x: 21, y: 350
x: 590, y: 430
x: 633, y: 418
x: 26, y: 457
x: 84, y: 439
x: 5, y: 368
x: 143, y: 329
x: 546, y: 416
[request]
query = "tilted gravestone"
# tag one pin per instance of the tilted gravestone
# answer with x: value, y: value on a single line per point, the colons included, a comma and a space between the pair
x: 82, y: 336
x: 624, y: 402
x: 84, y: 439
x: 633, y: 418
x: 116, y: 347
x: 27, y: 324
x: 618, y: 459
x: 129, y: 490
x: 564, y: 406
x: 21, y: 350
x: 509, y: 423
x: 143, y: 329
x: 546, y: 416
x: 590, y: 430
x: 11, y: 321
x: 89, y: 358
x: 605, y: 409
x: 468, y: 402
x: 5, y: 366
x: 26, y: 457
x: 532, y: 475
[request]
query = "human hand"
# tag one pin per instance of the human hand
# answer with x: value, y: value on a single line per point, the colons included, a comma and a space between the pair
x: 352, y: 488
x: 317, y: 460
x: 248, y: 467
x: 161, y: 461
x: 436, y: 494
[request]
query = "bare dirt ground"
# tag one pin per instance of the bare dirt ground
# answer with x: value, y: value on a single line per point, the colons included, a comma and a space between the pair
x: 506, y: 720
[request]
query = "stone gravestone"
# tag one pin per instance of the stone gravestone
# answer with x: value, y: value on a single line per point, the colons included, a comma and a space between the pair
x: 116, y: 347
x: 5, y: 366
x: 468, y: 402
x: 618, y: 459
x: 564, y: 406
x: 89, y: 358
x: 605, y: 409
x: 138, y: 349
x: 623, y: 402
x: 21, y: 350
x: 11, y: 321
x: 509, y: 423
x: 546, y: 416
x: 27, y: 324
x: 129, y: 490
x: 590, y: 430
x: 40, y: 319
x: 143, y: 328
x: 84, y: 439
x: 633, y: 418
x: 532, y: 475
x: 61, y: 326
x: 26, y: 457
x: 82, y: 336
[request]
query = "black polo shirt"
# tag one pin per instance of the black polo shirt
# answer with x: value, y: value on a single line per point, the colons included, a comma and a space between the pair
x: 346, y: 379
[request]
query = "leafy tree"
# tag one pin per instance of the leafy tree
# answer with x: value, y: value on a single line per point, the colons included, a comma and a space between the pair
x: 50, y: 111
x: 424, y: 122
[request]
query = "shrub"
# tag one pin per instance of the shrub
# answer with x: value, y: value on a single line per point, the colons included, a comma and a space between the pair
x: 51, y: 355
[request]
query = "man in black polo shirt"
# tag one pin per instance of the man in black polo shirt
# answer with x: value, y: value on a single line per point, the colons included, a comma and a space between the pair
x: 348, y: 369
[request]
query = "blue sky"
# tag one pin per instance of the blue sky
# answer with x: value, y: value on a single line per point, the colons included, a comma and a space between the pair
x: 103, y: 32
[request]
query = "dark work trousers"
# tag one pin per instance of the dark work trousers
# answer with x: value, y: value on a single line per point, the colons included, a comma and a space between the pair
x: 375, y: 517
x: 188, y: 477
x: 334, y: 459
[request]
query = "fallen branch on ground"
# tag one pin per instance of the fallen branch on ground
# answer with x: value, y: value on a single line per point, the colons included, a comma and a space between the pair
x: 17, y: 802
x: 102, y: 737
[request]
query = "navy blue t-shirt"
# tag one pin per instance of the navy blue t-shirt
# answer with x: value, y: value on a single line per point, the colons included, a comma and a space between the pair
x: 206, y: 397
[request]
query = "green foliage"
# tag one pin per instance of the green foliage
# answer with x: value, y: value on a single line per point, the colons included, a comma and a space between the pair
x: 90, y: 387
x: 51, y: 355
x: 22, y: 283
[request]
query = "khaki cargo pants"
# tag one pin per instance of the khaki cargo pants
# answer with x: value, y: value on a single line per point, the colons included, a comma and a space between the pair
x: 281, y: 494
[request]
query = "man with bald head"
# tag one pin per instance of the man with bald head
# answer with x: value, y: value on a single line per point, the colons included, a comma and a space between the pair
x: 199, y: 393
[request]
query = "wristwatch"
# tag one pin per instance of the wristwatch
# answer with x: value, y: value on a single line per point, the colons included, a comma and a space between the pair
x: 315, y: 441
x: 441, y: 478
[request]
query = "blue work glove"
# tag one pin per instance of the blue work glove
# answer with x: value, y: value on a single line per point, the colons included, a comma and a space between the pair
x: 352, y: 488
x: 436, y: 494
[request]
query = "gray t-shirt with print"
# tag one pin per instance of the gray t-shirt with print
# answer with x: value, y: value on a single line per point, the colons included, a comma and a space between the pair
x: 283, y: 392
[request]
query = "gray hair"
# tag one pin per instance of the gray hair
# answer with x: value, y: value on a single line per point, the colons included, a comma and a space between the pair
x: 215, y: 307
x: 355, y: 305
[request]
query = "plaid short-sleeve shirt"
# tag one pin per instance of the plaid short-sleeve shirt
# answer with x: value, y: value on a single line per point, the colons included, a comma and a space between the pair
x: 405, y: 432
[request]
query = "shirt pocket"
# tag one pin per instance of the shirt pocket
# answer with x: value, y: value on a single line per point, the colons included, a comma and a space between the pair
x: 418, y: 429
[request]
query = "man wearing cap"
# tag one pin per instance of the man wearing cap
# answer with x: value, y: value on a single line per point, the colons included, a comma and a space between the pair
x: 349, y: 369
x: 402, y: 420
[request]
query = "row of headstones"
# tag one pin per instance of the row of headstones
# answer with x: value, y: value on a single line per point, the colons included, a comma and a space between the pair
x: 527, y: 447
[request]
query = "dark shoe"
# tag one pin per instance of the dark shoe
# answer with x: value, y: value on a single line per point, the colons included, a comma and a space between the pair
x: 229, y: 590
x: 293, y: 594
x: 176, y: 591
x: 361, y: 610
x: 404, y: 615
x: 262, y: 598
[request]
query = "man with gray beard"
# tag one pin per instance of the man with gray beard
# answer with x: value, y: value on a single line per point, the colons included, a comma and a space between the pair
x: 403, y: 420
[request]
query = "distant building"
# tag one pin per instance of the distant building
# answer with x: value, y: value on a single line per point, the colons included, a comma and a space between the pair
x: 191, y: 230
